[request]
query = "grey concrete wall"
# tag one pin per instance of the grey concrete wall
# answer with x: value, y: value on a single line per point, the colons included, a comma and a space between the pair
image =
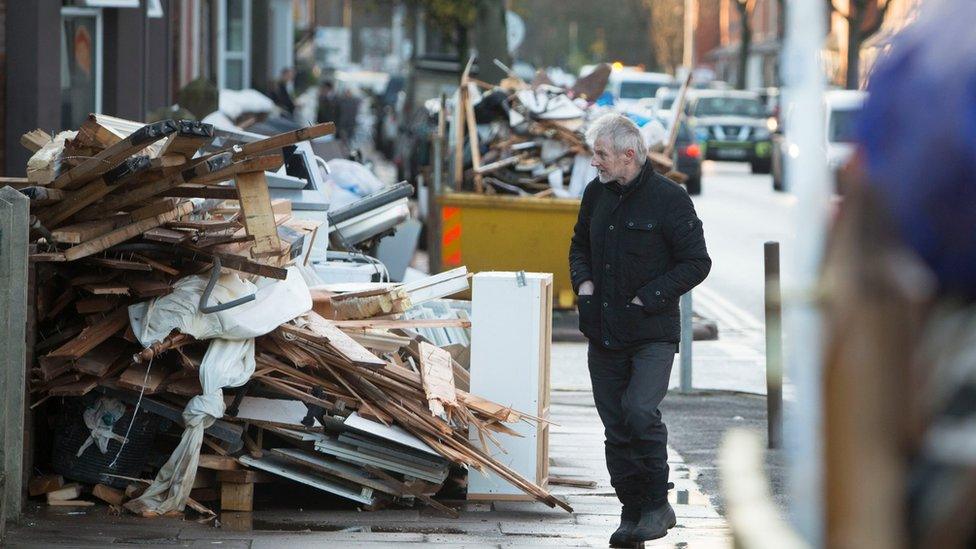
x: 13, y: 326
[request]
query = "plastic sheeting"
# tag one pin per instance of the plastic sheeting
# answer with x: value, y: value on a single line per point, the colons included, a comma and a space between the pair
x: 100, y: 418
x: 228, y: 362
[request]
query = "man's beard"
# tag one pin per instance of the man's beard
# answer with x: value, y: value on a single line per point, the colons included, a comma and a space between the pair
x: 605, y: 177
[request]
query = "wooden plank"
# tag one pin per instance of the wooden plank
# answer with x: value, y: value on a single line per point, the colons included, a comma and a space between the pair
x: 118, y: 201
x: 111, y: 156
x: 98, y: 304
x: 473, y: 138
x: 35, y: 140
x: 202, y: 191
x: 390, y: 324
x: 45, y: 483
x: 284, y: 139
x: 78, y: 388
x: 98, y: 361
x: 108, y: 494
x: 162, y: 234
x: 191, y: 135
x: 67, y: 492
x: 259, y: 220
x: 120, y: 264
x: 76, y: 233
x: 242, y: 264
x: 244, y: 476
x: 141, y: 377
x: 218, y: 463
x: 76, y: 201
x: 437, y: 375
x: 71, y: 503
x: 94, y: 134
x: 341, y: 343
x: 271, y: 162
x: 161, y: 267
x: 236, y: 496
x: 153, y: 209
x: 93, y: 335
x: 107, y: 288
x: 125, y: 233
x: 148, y: 287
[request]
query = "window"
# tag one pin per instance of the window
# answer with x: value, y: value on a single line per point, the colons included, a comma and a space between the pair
x: 81, y: 65
x: 234, y: 38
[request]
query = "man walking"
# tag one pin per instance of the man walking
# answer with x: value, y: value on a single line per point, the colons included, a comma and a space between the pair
x: 637, y: 247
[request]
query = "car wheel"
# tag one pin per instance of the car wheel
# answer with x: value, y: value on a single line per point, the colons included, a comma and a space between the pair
x: 761, y: 166
x: 693, y: 185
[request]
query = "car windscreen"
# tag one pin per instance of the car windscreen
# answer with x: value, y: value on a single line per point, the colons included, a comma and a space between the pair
x: 842, y: 125
x: 638, y: 90
x: 729, y: 106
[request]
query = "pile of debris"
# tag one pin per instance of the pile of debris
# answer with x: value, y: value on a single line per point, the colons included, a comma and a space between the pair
x: 536, y: 144
x: 164, y: 274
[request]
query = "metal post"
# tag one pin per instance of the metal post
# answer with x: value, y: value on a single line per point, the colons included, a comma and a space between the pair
x: 802, y: 65
x: 774, y: 346
x: 687, y: 336
x: 434, y: 189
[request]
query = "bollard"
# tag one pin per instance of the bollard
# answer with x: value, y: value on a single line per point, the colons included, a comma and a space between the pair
x: 687, y: 336
x: 774, y: 346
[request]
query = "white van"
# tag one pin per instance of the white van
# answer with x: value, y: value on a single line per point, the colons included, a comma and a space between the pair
x: 634, y: 90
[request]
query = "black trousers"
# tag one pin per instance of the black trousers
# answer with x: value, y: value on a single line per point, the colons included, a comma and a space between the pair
x: 628, y: 387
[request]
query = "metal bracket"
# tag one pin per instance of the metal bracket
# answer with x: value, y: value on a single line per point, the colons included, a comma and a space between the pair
x: 520, y: 279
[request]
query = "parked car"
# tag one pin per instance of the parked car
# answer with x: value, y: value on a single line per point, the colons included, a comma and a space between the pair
x: 731, y: 125
x: 687, y: 154
x: 841, y: 108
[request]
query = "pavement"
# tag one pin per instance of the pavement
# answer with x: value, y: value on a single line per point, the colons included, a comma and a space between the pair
x: 576, y: 451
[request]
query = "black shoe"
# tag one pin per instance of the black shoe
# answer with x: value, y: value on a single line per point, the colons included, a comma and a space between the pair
x: 622, y: 537
x: 654, y: 523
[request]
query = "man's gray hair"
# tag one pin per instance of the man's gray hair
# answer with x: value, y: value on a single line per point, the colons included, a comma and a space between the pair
x: 620, y: 132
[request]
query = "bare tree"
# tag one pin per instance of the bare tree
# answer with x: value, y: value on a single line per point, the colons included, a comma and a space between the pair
x: 745, y: 8
x: 864, y: 18
x: 667, y: 32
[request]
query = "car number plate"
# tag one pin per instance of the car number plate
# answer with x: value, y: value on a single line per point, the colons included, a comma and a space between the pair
x: 731, y: 153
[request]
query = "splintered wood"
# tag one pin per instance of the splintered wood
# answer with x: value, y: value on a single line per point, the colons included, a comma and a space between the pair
x: 437, y: 373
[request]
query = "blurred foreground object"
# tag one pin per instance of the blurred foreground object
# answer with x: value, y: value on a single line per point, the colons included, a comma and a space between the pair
x: 898, y: 283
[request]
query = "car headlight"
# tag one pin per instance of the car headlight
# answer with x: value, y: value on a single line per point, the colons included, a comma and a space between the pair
x: 760, y: 134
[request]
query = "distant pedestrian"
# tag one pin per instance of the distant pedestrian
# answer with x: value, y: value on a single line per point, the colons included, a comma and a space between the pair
x: 637, y: 247
x: 284, y: 91
x: 348, y: 117
x: 328, y: 103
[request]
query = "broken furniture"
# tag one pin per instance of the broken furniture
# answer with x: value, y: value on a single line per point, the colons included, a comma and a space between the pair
x: 514, y: 307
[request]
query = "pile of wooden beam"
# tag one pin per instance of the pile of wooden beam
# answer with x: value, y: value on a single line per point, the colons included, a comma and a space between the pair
x: 347, y: 398
x: 531, y: 153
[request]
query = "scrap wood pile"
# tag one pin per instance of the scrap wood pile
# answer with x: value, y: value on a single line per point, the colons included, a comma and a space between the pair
x: 351, y: 401
x: 537, y: 144
x: 120, y: 211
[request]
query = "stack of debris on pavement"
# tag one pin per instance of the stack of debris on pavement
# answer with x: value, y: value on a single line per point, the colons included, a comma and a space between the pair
x: 532, y: 137
x: 164, y: 273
